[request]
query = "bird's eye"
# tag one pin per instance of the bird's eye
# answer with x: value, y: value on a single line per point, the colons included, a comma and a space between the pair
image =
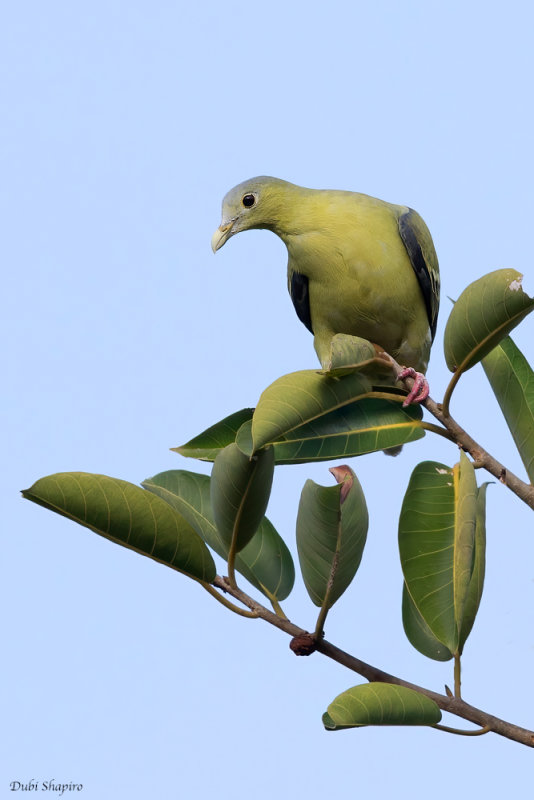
x: 248, y: 200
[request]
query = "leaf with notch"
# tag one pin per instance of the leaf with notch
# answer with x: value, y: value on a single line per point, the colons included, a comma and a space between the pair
x: 332, y: 527
x: 487, y: 310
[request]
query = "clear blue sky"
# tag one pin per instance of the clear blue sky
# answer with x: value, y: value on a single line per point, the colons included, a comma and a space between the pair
x: 124, y: 123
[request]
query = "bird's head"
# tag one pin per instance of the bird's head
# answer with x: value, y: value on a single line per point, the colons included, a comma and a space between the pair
x: 256, y: 203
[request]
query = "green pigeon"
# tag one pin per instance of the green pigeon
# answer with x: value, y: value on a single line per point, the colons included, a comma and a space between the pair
x: 357, y: 265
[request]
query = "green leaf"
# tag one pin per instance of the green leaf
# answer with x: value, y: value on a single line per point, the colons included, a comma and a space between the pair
x: 352, y: 353
x: 436, y: 542
x: 512, y: 380
x: 308, y: 416
x: 356, y: 428
x: 365, y: 426
x: 243, y: 438
x: 332, y: 527
x: 464, y: 533
x: 301, y: 397
x: 210, y: 442
x: 265, y: 561
x: 484, y: 313
x: 476, y: 582
x: 380, y: 704
x: 128, y: 516
x: 418, y: 632
x: 240, y: 490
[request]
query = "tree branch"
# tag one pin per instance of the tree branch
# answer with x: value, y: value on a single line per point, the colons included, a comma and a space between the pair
x: 483, y: 459
x: 454, y: 705
x: 524, y: 491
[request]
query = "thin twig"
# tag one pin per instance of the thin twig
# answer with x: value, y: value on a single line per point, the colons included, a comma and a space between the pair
x: 454, y: 705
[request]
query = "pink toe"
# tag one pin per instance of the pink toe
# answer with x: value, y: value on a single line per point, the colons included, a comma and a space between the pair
x: 420, y: 389
x: 407, y: 372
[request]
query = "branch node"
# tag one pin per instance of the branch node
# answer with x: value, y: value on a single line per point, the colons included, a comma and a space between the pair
x: 304, y: 644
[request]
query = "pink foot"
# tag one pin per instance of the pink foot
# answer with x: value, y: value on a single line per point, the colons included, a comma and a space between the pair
x: 420, y: 389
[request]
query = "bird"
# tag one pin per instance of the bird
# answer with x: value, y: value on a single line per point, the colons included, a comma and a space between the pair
x: 357, y: 265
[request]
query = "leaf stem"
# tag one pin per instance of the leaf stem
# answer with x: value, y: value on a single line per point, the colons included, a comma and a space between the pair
x: 429, y: 426
x: 319, y: 625
x: 448, y: 392
x: 232, y: 552
x: 460, y: 732
x: 457, y: 676
x: 231, y: 560
x: 241, y: 611
x: 277, y: 607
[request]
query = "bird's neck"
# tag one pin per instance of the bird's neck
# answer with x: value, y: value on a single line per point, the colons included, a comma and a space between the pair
x: 300, y: 212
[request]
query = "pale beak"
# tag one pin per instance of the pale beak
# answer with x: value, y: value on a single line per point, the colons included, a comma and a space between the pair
x: 221, y: 235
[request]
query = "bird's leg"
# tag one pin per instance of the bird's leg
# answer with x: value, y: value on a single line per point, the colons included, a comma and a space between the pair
x: 420, y: 388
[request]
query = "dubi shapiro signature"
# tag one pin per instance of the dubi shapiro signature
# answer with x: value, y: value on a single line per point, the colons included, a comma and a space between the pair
x: 51, y: 785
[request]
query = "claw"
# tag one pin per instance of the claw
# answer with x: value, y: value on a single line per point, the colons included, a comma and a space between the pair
x: 420, y: 389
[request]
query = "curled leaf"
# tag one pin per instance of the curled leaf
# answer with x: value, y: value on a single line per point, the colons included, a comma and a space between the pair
x: 476, y: 582
x: 240, y: 490
x: 332, y: 527
x: 354, y: 354
x: 380, y: 704
x: 437, y: 535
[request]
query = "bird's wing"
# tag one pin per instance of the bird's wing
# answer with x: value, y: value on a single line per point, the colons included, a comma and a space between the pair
x: 300, y: 295
x: 418, y: 243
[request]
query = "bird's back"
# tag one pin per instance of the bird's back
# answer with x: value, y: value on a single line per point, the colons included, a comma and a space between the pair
x: 347, y: 249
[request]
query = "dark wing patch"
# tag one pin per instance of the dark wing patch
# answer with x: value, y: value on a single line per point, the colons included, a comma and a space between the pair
x: 418, y: 243
x: 300, y: 294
